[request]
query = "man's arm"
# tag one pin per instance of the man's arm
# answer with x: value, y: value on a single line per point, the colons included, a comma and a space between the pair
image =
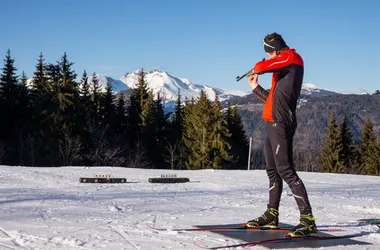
x: 261, y: 93
x: 277, y: 64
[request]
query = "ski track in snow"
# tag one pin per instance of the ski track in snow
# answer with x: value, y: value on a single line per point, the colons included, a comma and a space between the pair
x: 47, y: 208
x: 8, y: 242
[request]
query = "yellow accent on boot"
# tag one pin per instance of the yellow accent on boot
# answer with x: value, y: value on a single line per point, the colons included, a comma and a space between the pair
x: 272, y: 224
x: 263, y: 221
x: 306, y: 227
x: 273, y: 211
x: 308, y: 217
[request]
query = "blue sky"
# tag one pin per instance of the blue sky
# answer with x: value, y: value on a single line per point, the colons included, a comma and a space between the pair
x: 206, y: 41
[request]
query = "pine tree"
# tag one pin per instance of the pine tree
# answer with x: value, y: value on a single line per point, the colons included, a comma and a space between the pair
x: 177, y: 121
x: 63, y: 109
x: 68, y: 94
x: 70, y: 89
x: 23, y: 99
x: 8, y: 99
x: 68, y: 74
x: 84, y: 110
x: 329, y: 157
x: 191, y: 139
x: 96, y: 127
x: 23, y: 92
x: 84, y: 89
x: 108, y: 107
x: 238, y: 139
x: 54, y: 77
x: 140, y: 107
x: 23, y: 79
x: 133, y: 118
x: 95, y: 110
x: 145, y: 97
x: 121, y: 119
x: 147, y: 114
x: 8, y: 78
x: 369, y: 151
x: 109, y: 147
x: 347, y: 152
x: 54, y: 97
x: 139, y: 117
x: 84, y: 100
x: 8, y: 86
x: 120, y: 125
x: 39, y: 81
x: 21, y: 121
x: 173, y: 153
x: 149, y: 138
x: 196, y: 133
x: 160, y: 132
x: 140, y: 110
x: 38, y: 148
x: 219, y: 136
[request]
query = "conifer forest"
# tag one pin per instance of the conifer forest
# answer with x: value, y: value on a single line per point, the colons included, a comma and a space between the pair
x: 53, y: 119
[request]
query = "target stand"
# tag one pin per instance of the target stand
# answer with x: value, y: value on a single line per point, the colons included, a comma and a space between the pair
x: 102, y: 178
x: 169, y: 178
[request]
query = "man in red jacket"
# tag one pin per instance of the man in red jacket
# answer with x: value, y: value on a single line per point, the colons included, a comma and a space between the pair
x: 281, y: 122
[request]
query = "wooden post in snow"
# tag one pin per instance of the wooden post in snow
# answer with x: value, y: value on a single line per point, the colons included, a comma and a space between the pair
x: 249, y: 153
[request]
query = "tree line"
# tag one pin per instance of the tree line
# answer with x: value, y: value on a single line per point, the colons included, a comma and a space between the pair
x: 53, y: 120
x: 340, y: 153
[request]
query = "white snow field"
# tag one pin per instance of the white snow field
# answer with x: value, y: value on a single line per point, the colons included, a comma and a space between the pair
x: 48, y: 208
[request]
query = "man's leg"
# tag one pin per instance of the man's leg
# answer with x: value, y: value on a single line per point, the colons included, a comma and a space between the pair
x: 282, y: 146
x: 270, y: 217
x: 275, y: 181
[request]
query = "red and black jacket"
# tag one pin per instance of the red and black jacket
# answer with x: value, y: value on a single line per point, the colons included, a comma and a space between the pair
x: 281, y: 100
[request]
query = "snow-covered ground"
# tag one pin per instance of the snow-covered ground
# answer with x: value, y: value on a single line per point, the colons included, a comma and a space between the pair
x: 48, y: 208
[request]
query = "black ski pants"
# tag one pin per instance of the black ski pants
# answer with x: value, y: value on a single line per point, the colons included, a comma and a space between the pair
x: 278, y: 149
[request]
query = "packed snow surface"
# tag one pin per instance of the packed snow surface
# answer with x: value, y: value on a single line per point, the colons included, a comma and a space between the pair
x: 48, y: 208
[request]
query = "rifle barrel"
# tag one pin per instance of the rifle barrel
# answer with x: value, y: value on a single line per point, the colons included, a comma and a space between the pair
x: 238, y: 78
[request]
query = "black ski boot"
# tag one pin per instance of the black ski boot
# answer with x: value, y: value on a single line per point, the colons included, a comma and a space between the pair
x: 268, y: 219
x: 306, y: 227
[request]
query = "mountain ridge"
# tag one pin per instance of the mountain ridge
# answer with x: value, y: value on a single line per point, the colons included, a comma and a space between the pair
x: 168, y: 85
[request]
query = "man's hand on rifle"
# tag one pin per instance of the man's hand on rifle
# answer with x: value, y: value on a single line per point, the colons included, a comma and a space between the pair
x: 253, y: 80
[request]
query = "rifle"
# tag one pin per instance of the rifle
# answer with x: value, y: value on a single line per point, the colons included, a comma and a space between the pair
x: 249, y: 73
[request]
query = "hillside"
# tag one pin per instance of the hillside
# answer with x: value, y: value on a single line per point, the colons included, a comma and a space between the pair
x: 313, y: 115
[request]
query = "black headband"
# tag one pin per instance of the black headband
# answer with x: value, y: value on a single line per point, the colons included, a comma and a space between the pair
x: 277, y: 45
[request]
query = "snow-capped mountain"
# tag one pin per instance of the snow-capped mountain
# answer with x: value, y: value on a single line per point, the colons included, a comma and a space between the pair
x: 163, y: 83
x: 117, y: 85
x: 168, y: 86
x: 312, y: 90
x: 309, y: 89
